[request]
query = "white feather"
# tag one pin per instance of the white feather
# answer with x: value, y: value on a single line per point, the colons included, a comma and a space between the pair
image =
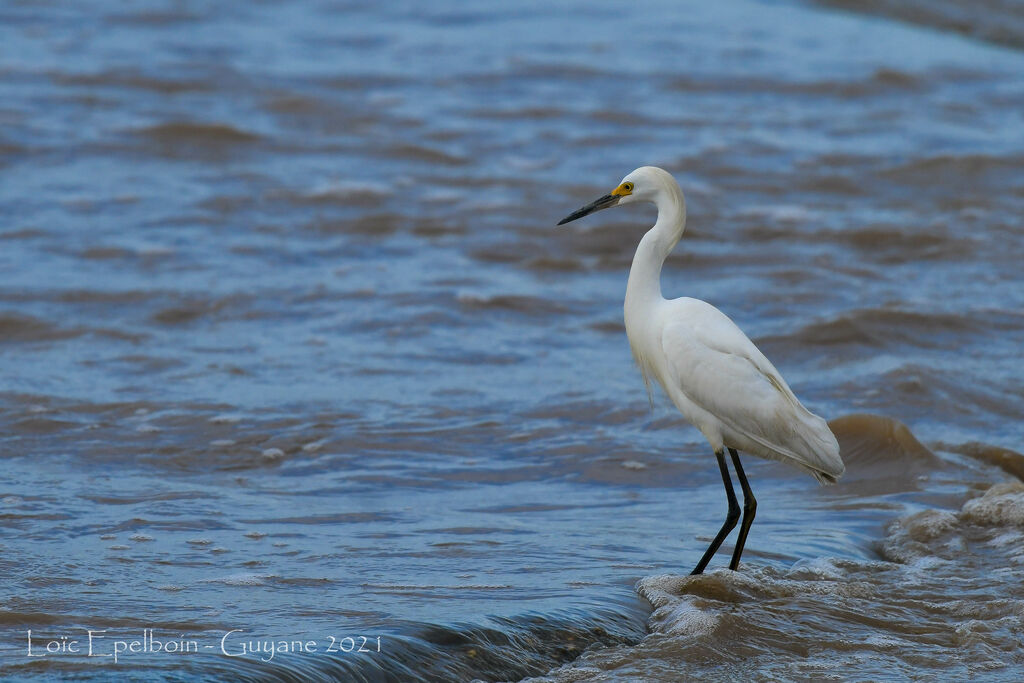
x: 710, y: 370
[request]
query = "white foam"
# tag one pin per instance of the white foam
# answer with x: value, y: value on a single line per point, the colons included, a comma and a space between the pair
x: 930, y: 538
x: 929, y: 525
x: 675, y: 612
x: 431, y: 586
x: 443, y: 196
x: 314, y: 446
x: 520, y: 163
x: 969, y: 632
x: 1012, y: 538
x: 343, y: 189
x: 242, y: 579
x: 786, y: 213
x: 662, y: 589
x: 1002, y: 505
x: 684, y: 617
x: 816, y: 568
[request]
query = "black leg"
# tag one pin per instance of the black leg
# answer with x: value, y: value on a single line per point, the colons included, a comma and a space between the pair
x: 730, y: 519
x: 749, y: 509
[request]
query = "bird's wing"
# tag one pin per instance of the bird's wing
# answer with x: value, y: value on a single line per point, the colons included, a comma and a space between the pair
x: 707, y: 348
x: 720, y: 370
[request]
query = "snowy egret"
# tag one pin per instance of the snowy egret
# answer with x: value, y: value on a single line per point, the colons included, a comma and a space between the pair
x: 710, y: 370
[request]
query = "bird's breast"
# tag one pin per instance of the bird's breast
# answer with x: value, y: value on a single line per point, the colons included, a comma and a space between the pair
x: 644, y: 341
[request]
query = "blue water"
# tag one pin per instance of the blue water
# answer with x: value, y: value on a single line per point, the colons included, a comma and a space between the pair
x: 289, y: 342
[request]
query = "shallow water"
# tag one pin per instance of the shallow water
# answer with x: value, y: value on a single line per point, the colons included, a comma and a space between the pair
x: 291, y: 349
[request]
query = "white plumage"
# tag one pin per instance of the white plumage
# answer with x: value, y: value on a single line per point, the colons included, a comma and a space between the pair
x: 710, y: 370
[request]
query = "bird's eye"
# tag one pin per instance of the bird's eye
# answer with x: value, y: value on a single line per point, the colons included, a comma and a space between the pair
x: 628, y: 186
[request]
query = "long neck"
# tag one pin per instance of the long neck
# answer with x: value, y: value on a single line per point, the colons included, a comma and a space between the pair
x: 644, y: 286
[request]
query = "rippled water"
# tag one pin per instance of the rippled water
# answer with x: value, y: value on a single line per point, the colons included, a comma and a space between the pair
x: 292, y: 351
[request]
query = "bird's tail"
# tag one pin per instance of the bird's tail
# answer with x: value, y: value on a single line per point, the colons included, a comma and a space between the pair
x: 819, y: 450
x: 809, y: 445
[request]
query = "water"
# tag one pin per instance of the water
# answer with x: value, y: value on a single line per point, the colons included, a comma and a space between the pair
x: 291, y: 350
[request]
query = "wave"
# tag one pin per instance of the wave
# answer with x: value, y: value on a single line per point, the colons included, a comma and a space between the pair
x: 189, y: 140
x: 882, y: 456
x: 17, y: 327
x: 821, y: 619
x: 501, y: 648
x: 995, y: 21
x: 892, y: 327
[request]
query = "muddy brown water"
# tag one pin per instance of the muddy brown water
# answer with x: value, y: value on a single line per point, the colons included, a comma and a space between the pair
x: 291, y: 350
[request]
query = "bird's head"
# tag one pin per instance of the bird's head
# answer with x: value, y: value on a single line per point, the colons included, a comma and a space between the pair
x: 641, y: 185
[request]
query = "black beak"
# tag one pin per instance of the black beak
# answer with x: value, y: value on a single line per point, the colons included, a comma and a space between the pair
x: 605, y: 202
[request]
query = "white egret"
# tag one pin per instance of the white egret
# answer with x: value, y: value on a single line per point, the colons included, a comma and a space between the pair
x: 710, y: 370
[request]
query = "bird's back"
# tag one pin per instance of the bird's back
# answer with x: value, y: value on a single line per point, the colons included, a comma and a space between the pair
x: 723, y: 384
